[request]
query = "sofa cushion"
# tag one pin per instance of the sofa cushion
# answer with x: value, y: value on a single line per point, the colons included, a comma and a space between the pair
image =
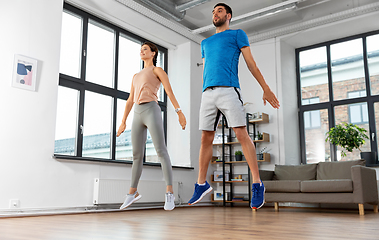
x: 336, y: 170
x: 282, y: 186
x: 324, y: 186
x: 295, y: 172
x: 266, y: 175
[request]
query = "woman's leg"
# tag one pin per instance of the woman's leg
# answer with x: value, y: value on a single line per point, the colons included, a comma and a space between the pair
x: 153, y: 120
x: 139, y: 134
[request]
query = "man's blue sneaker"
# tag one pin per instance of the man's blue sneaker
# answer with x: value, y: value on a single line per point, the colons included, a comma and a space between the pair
x: 200, y: 192
x: 258, y: 198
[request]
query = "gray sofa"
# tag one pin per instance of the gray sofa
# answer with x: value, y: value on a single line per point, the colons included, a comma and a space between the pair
x: 324, y: 182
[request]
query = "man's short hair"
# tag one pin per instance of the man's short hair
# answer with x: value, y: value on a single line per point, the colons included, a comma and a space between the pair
x: 227, y: 8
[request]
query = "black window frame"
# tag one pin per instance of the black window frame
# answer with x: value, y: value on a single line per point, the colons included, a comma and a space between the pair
x: 331, y: 104
x: 82, y: 85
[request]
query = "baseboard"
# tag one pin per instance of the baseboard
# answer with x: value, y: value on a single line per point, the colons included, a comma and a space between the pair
x: 8, y: 213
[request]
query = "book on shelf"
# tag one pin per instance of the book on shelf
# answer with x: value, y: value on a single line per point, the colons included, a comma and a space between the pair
x: 237, y: 179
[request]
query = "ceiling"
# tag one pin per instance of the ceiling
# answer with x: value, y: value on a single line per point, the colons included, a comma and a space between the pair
x: 255, y: 17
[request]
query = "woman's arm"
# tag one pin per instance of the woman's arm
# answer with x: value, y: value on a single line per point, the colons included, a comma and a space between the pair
x: 161, y: 74
x: 128, y: 107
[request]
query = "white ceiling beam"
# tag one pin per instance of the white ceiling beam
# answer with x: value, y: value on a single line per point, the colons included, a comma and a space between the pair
x: 354, y: 12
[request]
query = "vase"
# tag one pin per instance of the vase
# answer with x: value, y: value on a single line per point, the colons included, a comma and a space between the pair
x: 238, y: 157
x: 369, y: 157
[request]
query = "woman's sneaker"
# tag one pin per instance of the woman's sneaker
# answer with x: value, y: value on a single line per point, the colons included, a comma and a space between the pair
x: 200, y: 192
x: 258, y: 198
x: 169, y: 201
x: 130, y: 198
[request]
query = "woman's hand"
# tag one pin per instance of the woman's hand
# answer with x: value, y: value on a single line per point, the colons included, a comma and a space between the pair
x: 182, y: 120
x: 121, y: 129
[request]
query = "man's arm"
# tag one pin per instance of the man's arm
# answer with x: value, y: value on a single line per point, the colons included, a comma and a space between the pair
x: 268, y: 95
x: 203, y: 71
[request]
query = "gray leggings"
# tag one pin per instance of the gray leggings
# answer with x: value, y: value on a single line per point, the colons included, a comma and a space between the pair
x: 148, y: 116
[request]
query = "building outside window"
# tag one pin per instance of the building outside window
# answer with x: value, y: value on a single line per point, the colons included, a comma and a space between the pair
x: 337, y: 82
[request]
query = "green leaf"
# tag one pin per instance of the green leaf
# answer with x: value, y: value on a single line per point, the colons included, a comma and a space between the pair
x: 348, y: 136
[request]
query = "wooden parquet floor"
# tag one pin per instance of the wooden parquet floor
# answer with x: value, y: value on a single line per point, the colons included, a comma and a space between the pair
x: 196, y: 223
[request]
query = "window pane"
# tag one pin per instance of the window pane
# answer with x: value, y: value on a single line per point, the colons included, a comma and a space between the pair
x: 71, y: 38
x: 124, y: 141
x: 373, y: 62
x: 356, y: 94
x: 342, y: 115
x: 129, y: 62
x: 312, y: 119
x: 314, y: 74
x: 97, y: 125
x: 376, y: 109
x: 100, y: 54
x: 315, y: 119
x: 66, y: 123
x: 307, y: 120
x: 317, y: 150
x: 355, y: 113
x: 151, y: 154
x: 347, y: 68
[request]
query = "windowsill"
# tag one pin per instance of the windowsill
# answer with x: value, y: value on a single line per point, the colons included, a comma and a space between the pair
x: 100, y: 160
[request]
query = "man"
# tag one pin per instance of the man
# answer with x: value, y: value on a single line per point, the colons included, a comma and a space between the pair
x: 221, y: 95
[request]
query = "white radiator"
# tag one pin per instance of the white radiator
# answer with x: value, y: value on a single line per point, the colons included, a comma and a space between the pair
x: 113, y: 191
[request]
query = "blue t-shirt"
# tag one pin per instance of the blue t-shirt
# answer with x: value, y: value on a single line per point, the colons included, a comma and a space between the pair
x: 221, y: 53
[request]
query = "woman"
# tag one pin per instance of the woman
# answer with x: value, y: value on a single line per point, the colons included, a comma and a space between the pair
x: 147, y: 114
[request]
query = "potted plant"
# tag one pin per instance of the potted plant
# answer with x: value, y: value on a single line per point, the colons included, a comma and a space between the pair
x: 260, y: 136
x: 349, y: 136
x: 238, y: 155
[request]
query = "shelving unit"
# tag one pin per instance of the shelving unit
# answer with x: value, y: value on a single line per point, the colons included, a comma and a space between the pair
x: 227, y: 146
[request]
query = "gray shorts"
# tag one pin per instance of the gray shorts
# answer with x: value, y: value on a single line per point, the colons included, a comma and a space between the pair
x: 216, y: 101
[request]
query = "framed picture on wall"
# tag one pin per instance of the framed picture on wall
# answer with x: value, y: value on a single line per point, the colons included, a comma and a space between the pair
x: 24, y: 72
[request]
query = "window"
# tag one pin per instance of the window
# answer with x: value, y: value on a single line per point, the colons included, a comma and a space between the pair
x: 347, y: 67
x: 337, y: 82
x: 311, y: 118
x: 314, y: 75
x: 373, y: 62
x: 98, y: 62
x: 358, y: 111
x: 70, y: 58
x: 67, y: 117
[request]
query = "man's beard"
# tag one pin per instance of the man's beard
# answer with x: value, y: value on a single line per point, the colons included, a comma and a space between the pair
x: 220, y: 22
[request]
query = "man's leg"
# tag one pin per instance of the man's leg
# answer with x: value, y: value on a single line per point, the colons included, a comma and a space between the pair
x: 202, y: 187
x: 248, y: 150
x: 205, y: 155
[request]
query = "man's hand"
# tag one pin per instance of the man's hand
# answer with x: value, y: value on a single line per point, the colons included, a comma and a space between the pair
x: 269, y: 96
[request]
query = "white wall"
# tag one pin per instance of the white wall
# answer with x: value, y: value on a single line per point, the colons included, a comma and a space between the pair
x: 289, y: 145
x: 264, y: 54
